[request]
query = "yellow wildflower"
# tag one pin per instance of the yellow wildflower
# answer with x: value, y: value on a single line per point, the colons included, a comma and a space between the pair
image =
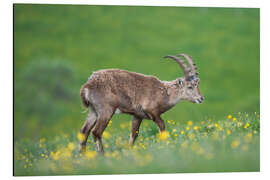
x: 80, y: 137
x: 91, y: 154
x: 187, y: 128
x: 229, y: 116
x: 122, y: 126
x: 182, y: 132
x: 106, y: 135
x: 255, y: 132
x: 42, y: 140
x: 228, y: 132
x: 142, y: 146
x: 195, y: 128
x: 255, y: 113
x: 246, y: 115
x: 235, y: 144
x: 174, y: 130
x: 110, y: 123
x: 189, y: 123
x: 71, y: 146
x: 55, y: 156
x: 163, y: 135
x: 42, y: 155
x: 216, y: 124
x: 234, y: 119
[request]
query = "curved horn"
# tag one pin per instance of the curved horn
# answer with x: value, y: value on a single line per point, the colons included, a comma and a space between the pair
x: 181, y: 63
x: 193, y: 67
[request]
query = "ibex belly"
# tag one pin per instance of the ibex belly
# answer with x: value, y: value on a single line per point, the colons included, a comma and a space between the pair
x: 137, y: 111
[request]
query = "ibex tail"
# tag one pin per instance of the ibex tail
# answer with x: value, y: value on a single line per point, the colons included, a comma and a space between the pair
x: 85, y: 96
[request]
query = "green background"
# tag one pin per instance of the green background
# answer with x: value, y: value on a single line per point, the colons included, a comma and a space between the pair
x: 57, y: 47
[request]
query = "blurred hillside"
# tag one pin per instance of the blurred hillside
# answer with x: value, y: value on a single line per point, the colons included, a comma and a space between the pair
x: 57, y: 47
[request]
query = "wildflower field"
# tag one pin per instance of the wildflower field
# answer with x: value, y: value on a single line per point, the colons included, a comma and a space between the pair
x: 231, y: 144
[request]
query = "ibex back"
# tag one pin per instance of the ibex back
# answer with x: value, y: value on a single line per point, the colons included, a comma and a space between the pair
x: 112, y: 91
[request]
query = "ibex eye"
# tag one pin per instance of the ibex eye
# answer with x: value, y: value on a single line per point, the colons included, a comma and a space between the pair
x: 180, y: 82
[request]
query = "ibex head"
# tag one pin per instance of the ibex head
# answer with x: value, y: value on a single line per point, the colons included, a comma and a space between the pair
x: 188, y: 86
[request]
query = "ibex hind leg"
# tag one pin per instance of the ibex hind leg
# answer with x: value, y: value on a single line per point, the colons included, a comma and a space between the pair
x: 87, y: 127
x: 103, y: 119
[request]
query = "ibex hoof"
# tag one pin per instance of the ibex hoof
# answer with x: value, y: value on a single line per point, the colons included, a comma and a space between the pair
x: 82, y: 148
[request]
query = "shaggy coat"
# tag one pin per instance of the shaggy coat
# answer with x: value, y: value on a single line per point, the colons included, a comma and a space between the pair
x: 114, y: 91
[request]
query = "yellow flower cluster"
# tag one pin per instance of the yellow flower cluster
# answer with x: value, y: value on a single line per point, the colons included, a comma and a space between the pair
x: 163, y: 135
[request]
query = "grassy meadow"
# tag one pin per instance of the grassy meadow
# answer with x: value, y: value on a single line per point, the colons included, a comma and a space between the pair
x: 228, y: 145
x: 57, y: 47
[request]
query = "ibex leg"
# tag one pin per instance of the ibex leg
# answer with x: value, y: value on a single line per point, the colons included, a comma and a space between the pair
x: 86, y: 128
x: 102, y: 122
x: 135, y: 126
x: 160, y: 123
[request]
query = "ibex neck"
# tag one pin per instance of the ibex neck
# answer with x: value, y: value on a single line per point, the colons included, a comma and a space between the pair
x: 173, y: 91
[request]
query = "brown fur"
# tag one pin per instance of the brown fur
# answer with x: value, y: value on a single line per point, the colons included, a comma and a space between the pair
x: 143, y: 96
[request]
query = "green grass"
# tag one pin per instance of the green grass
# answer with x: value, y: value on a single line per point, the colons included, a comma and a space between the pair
x: 227, y: 145
x: 224, y: 43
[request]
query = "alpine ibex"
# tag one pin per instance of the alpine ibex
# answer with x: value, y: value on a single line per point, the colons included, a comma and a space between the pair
x: 112, y: 91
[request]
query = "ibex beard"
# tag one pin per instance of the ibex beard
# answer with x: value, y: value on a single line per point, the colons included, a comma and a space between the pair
x: 112, y: 91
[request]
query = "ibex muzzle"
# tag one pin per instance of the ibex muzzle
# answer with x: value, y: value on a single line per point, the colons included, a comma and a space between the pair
x: 112, y: 91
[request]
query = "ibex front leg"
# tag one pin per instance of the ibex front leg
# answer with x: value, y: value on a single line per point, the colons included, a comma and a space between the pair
x: 160, y: 123
x: 135, y: 126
